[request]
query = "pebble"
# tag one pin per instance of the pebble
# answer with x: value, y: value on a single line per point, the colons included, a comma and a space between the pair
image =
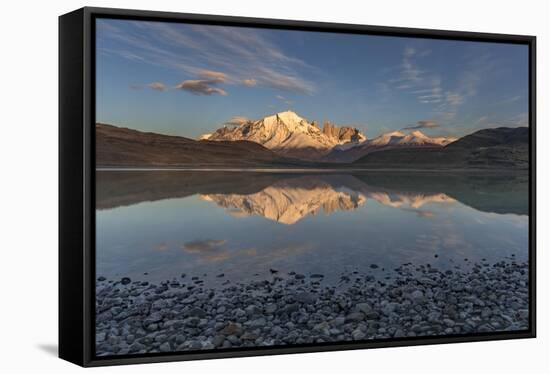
x: 144, y: 317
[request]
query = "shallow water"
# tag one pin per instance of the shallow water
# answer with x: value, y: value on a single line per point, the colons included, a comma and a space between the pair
x: 156, y: 225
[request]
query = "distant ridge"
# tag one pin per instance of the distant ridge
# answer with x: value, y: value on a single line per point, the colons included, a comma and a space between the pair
x: 389, y: 140
x: 501, y: 147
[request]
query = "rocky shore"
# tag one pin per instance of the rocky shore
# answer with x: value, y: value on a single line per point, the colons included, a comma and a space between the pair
x: 134, y: 317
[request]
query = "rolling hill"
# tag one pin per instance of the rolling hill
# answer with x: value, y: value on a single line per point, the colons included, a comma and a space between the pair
x: 122, y: 147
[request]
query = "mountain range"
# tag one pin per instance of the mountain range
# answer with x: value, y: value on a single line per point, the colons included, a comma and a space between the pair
x: 288, y: 134
x: 287, y: 140
x: 501, y: 148
x: 391, y: 140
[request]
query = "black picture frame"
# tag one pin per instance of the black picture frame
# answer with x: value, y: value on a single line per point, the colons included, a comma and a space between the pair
x: 77, y: 182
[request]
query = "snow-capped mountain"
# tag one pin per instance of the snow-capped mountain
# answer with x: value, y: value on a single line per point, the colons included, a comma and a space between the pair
x: 289, y: 134
x: 389, y: 140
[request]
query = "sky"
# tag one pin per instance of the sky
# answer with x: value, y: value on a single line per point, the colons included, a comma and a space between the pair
x: 187, y: 80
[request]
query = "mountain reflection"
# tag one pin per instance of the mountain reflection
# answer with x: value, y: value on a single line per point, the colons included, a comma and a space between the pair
x: 290, y: 200
x: 289, y: 197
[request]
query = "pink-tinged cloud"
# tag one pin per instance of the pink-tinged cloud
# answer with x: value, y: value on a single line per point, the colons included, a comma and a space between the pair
x: 157, y: 86
x: 236, y: 121
x: 249, y: 82
x: 213, y: 76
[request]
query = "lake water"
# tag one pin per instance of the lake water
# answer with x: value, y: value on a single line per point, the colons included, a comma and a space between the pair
x: 157, y: 225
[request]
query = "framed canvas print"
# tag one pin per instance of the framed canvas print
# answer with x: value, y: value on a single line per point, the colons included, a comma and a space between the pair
x: 236, y: 186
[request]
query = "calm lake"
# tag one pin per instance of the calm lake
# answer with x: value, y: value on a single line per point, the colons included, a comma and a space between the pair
x: 158, y: 225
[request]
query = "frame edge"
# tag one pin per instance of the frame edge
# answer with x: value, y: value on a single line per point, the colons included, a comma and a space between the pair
x: 71, y: 301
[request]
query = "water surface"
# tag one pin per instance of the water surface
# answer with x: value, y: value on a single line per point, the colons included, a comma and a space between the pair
x: 157, y: 225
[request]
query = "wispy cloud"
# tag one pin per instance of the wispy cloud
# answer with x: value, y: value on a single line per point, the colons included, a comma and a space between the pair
x: 424, y: 85
x: 510, y: 100
x: 213, y: 76
x: 426, y: 124
x: 157, y: 86
x: 247, y: 57
x: 427, y: 86
x: 284, y: 99
x: 467, y: 87
x: 481, y: 120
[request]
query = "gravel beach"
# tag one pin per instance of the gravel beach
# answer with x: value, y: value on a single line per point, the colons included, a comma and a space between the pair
x: 135, y: 317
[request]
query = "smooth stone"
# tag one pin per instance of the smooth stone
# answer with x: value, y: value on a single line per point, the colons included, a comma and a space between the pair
x: 305, y: 297
x: 449, y: 322
x: 218, y: 340
x: 355, y: 317
x: 364, y: 307
x: 165, y: 347
x: 358, y: 334
x: 259, y: 322
x: 196, y: 312
x: 252, y: 310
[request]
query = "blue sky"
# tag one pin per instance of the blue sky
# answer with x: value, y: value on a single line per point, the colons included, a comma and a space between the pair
x: 187, y: 80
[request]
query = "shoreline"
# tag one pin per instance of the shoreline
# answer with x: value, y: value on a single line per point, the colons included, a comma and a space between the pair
x: 313, y: 170
x: 135, y: 317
